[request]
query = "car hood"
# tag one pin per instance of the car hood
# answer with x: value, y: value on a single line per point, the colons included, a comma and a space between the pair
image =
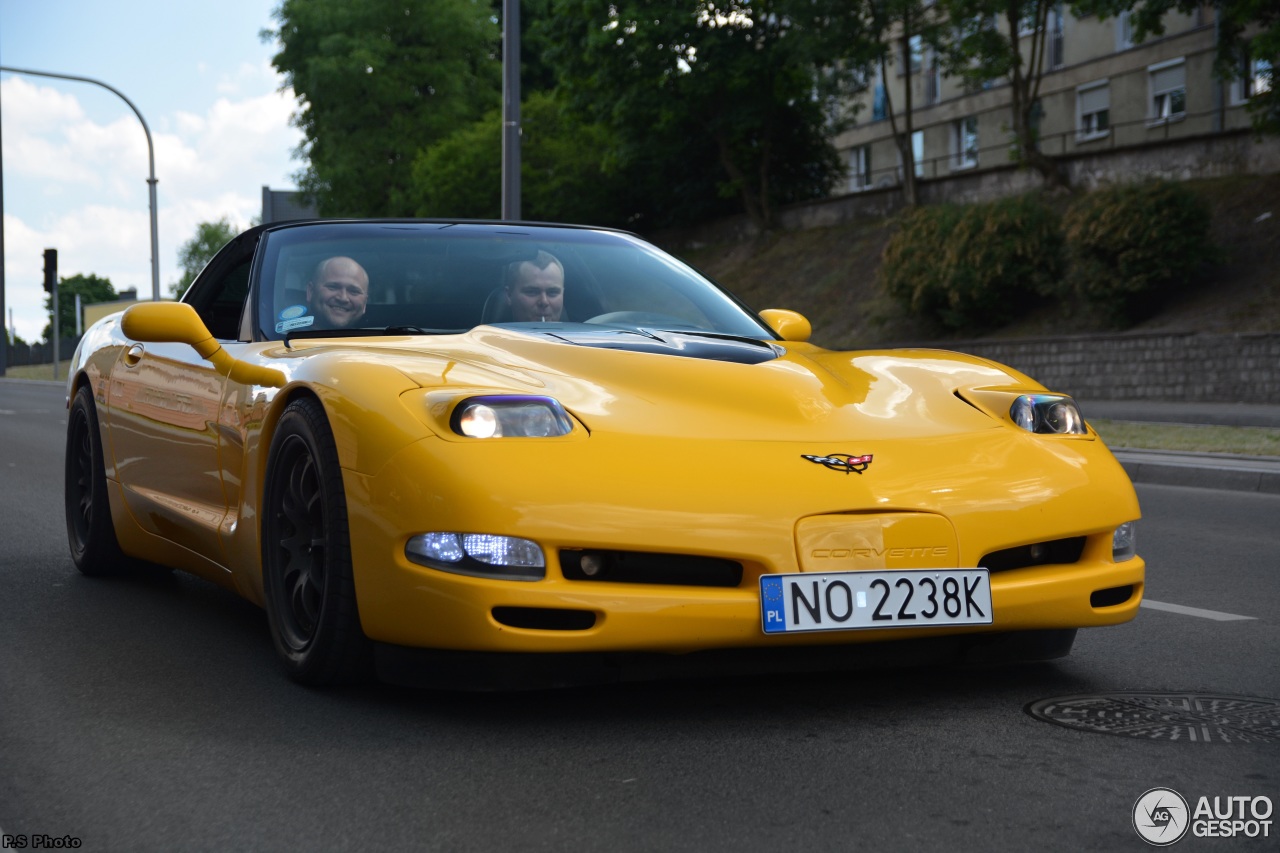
x: 682, y: 385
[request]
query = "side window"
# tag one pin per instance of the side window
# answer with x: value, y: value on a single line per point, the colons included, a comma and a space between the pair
x: 219, y: 295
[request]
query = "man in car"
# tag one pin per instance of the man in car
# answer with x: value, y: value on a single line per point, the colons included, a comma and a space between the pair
x: 535, y: 289
x: 338, y: 293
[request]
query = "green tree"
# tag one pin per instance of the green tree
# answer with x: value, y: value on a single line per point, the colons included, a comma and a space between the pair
x: 376, y: 82
x: 199, y: 250
x: 90, y: 288
x: 979, y: 51
x: 895, y: 33
x: 1248, y: 32
x: 564, y: 167
x: 735, y: 99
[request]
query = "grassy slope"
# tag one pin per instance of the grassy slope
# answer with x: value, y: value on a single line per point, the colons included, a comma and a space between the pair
x: 829, y: 275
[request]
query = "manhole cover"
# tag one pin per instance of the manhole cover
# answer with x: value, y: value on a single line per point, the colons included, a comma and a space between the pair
x: 1183, y: 717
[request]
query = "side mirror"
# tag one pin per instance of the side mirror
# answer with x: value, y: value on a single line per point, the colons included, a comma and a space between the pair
x: 790, y: 325
x: 169, y: 322
x: 178, y: 323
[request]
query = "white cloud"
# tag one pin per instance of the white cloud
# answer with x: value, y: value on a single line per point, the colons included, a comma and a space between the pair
x: 80, y: 185
x: 249, y: 77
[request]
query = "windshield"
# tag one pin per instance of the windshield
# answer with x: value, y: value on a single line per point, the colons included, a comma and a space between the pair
x: 438, y: 278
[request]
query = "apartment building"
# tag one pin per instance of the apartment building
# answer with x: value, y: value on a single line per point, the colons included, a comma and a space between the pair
x: 1101, y: 91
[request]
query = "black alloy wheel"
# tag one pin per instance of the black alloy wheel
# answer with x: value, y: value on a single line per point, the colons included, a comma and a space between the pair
x: 90, y: 532
x: 306, y: 553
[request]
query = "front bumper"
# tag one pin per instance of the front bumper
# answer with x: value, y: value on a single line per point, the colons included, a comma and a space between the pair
x: 684, y: 501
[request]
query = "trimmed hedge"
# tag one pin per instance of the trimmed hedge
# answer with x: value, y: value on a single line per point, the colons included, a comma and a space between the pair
x: 1131, y: 246
x: 976, y: 266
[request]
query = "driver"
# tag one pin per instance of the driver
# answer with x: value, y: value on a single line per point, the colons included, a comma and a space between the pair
x: 338, y: 292
x: 535, y: 289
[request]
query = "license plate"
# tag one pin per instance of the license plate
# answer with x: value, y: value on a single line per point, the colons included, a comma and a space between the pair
x: 841, y: 601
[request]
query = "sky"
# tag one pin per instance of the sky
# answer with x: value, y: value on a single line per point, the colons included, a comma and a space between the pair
x: 75, y: 156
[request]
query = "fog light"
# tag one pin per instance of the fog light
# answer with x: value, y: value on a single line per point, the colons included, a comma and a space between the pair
x: 482, y: 555
x: 1124, y: 542
x: 591, y: 564
x: 503, y: 550
x: 438, y: 547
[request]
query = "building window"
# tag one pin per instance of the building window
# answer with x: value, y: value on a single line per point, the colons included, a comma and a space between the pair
x: 1093, y: 110
x: 917, y: 53
x: 932, y: 78
x: 965, y: 143
x: 880, y: 104
x: 917, y: 155
x: 1028, y: 23
x: 1124, y: 32
x: 1168, y: 83
x: 1256, y: 76
x: 859, y: 168
x: 1057, y: 41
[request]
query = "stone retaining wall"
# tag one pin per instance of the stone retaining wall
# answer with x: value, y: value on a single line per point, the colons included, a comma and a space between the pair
x: 1188, y: 367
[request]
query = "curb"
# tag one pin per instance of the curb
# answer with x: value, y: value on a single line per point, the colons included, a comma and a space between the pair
x: 1202, y: 470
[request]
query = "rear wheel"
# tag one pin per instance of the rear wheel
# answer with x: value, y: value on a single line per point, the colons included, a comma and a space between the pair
x: 306, y: 554
x: 90, y: 532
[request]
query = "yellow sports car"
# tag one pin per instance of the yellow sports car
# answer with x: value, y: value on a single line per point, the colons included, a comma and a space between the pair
x: 426, y: 448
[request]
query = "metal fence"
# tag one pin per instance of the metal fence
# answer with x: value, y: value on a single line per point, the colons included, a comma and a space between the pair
x: 21, y: 355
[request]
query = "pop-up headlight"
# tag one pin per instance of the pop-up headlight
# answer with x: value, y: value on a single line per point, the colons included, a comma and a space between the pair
x: 511, y: 417
x: 1050, y: 414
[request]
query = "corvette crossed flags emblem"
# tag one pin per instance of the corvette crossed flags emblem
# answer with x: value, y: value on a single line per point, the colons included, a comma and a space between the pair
x: 842, y: 462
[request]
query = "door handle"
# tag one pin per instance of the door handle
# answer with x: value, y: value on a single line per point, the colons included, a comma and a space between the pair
x: 134, y: 355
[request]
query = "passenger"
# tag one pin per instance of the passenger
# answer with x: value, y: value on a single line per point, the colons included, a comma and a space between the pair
x: 338, y: 293
x: 535, y: 289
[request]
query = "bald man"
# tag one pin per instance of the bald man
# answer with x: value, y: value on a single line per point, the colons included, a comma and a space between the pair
x: 535, y: 289
x: 338, y: 293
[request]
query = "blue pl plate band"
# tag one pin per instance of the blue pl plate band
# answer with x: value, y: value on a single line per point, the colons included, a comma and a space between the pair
x: 771, y: 604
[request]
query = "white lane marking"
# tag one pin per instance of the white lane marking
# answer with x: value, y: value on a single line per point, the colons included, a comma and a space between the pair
x: 1215, y: 615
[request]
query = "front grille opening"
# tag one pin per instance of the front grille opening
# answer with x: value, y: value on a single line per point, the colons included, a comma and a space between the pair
x: 545, y: 618
x: 1036, y: 554
x: 644, y: 567
x: 1112, y: 596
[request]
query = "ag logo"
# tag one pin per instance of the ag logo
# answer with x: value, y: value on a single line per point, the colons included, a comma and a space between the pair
x: 1160, y: 816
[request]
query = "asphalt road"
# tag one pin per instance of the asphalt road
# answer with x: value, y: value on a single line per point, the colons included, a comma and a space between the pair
x: 147, y: 713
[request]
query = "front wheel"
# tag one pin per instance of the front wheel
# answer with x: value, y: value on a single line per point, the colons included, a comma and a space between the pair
x: 90, y: 532
x: 306, y: 554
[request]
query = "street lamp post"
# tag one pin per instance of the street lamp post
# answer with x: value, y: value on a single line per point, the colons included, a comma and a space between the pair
x: 151, y: 161
x: 511, y: 109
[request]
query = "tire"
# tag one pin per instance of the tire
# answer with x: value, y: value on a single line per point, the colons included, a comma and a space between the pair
x: 306, y: 554
x: 90, y: 532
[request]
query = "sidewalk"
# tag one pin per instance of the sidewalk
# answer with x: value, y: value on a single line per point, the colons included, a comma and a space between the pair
x: 1203, y: 470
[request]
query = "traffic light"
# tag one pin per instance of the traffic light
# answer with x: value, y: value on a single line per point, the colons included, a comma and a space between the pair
x: 50, y: 269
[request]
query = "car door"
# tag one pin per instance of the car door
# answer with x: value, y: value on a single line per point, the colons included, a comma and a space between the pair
x: 166, y: 405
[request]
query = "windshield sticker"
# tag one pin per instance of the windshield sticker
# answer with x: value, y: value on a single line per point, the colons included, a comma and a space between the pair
x: 295, y: 323
x: 293, y: 312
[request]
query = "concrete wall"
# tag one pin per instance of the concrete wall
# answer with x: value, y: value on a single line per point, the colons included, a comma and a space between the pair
x: 1186, y: 367
x: 1229, y: 153
x: 1218, y: 155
